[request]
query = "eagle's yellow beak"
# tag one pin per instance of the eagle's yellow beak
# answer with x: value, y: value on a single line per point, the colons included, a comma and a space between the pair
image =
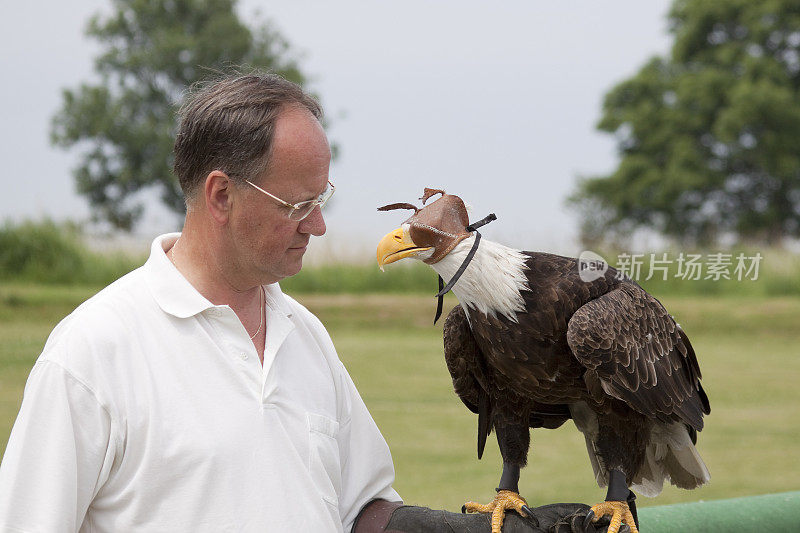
x: 395, y: 246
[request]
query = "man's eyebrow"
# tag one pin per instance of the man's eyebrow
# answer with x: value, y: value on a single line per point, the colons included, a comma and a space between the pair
x: 316, y: 195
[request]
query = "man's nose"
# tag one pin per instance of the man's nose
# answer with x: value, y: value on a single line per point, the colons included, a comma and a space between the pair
x: 313, y: 223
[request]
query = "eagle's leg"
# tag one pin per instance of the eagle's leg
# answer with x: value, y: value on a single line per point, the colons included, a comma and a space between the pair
x: 620, y: 504
x: 514, y: 441
x: 620, y: 443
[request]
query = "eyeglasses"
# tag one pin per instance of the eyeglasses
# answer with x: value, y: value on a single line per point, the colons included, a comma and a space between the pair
x: 301, y: 210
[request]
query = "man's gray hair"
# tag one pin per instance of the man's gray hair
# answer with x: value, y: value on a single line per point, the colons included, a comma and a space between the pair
x: 228, y: 124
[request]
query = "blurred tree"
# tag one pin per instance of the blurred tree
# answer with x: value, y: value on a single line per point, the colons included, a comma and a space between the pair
x: 709, y: 138
x: 152, y: 51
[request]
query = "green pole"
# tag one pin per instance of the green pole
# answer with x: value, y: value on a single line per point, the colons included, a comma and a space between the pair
x: 769, y: 512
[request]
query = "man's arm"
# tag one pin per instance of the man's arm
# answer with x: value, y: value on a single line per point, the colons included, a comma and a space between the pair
x: 58, y: 455
x: 367, y: 469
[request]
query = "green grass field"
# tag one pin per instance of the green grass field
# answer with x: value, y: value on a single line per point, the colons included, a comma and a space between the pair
x: 747, y: 347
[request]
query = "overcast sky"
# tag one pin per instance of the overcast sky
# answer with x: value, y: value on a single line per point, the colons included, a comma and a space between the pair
x: 496, y: 102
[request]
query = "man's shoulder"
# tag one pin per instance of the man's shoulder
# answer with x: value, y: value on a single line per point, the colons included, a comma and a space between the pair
x: 104, y: 319
x: 127, y: 294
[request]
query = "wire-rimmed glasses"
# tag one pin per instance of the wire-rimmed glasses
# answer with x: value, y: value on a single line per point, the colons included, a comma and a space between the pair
x: 301, y: 210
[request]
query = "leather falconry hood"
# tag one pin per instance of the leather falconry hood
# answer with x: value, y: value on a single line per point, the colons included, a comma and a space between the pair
x: 440, y: 224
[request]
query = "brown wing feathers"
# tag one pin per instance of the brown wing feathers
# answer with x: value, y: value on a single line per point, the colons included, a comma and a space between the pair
x: 467, y: 368
x: 629, y: 342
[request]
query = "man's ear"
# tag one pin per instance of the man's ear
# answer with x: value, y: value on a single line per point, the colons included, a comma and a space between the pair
x: 218, y: 191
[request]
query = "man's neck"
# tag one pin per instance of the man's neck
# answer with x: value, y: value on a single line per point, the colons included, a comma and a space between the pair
x: 197, y: 257
x: 201, y: 263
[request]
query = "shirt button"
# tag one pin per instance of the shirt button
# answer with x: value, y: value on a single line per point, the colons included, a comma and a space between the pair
x: 243, y: 355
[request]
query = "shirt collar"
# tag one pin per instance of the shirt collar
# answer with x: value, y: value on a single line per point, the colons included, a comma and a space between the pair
x: 173, y: 293
x: 276, y: 300
x: 177, y: 297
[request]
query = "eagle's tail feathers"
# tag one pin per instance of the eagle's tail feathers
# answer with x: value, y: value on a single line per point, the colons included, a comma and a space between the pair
x: 649, y: 481
x: 683, y: 464
x: 670, y: 456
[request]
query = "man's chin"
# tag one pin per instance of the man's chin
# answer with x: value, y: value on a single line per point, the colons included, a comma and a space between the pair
x: 290, y: 265
x: 293, y: 267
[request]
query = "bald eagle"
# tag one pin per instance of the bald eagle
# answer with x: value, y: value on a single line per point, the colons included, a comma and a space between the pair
x: 532, y: 345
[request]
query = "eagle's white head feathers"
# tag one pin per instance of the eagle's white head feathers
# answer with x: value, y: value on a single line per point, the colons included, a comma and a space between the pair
x: 493, y: 280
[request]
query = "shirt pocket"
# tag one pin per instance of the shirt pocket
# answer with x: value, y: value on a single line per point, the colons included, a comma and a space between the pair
x: 323, y: 457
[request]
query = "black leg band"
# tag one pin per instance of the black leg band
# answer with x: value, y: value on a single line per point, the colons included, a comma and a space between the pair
x: 510, y: 478
x: 617, y: 487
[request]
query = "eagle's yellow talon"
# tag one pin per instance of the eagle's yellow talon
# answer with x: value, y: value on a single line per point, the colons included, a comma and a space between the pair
x: 504, y: 501
x: 475, y: 507
x: 620, y: 513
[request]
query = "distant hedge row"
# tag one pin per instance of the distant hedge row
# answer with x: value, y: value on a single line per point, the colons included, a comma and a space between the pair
x: 50, y: 253
x: 47, y: 252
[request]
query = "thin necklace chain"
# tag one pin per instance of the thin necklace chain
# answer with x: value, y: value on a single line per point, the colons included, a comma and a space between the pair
x: 261, y: 313
x: 261, y: 298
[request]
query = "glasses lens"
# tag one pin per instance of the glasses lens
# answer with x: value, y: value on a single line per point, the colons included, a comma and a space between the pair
x: 326, y: 195
x: 305, y: 208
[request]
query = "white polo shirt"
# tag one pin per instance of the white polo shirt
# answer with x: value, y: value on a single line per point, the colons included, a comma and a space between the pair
x: 149, y: 410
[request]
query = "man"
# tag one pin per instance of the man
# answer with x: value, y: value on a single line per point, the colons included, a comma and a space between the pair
x: 191, y: 394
